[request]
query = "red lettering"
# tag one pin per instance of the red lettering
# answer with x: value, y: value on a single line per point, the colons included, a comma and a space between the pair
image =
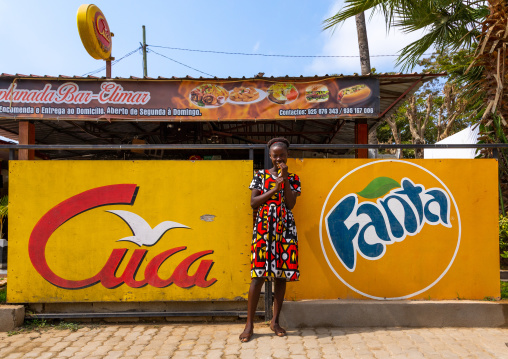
x: 39, y: 97
x: 105, y: 92
x: 108, y: 276
x: 129, y: 274
x: 66, y: 92
x: 182, y: 278
x: 61, y: 213
x: 152, y: 269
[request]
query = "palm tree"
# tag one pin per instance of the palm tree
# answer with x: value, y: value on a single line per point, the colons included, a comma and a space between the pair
x: 450, y: 25
x: 363, y: 43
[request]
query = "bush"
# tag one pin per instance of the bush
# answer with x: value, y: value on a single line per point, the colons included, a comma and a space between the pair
x: 503, y: 241
x: 3, y: 295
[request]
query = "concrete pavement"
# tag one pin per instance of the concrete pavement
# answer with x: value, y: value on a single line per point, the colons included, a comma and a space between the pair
x: 221, y: 341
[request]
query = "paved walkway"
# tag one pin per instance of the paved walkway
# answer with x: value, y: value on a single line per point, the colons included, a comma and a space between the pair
x: 221, y: 341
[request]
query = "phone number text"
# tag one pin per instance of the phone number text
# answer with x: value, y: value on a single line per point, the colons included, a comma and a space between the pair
x: 327, y: 111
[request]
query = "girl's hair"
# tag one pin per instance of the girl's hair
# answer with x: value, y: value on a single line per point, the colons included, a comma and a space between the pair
x: 280, y: 140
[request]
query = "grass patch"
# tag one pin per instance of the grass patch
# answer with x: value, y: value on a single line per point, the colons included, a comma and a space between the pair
x: 3, y: 295
x: 40, y: 325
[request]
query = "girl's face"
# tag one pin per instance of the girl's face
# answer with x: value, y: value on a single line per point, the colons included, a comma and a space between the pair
x: 278, y: 154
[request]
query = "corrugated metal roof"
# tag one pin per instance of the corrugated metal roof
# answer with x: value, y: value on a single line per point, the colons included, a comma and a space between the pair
x: 280, y: 78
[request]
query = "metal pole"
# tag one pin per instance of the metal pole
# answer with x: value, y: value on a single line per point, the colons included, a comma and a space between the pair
x: 268, y: 283
x: 145, y: 66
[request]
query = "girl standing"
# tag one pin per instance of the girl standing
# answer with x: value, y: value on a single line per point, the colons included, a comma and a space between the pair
x: 274, y: 250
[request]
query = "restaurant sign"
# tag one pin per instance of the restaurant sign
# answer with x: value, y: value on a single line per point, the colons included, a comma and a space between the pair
x: 189, y: 100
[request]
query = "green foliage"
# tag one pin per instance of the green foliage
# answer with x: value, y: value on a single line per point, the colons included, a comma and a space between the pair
x: 504, y: 290
x: 68, y: 325
x: 503, y: 240
x: 4, y: 211
x: 455, y: 65
x: 3, y: 295
x: 448, y: 24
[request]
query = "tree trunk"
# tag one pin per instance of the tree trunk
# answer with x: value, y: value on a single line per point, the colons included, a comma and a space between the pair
x: 363, y: 43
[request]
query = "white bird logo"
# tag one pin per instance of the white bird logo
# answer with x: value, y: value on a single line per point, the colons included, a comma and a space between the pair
x: 143, y: 234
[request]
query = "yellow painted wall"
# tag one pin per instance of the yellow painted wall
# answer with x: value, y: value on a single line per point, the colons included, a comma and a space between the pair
x: 428, y: 265
x: 178, y: 191
x: 459, y: 260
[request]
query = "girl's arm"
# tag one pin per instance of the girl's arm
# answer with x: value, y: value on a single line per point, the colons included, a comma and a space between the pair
x: 289, y: 194
x: 257, y: 199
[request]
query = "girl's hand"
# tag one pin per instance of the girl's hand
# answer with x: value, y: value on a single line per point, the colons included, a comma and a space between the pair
x: 278, y: 183
x: 283, y: 170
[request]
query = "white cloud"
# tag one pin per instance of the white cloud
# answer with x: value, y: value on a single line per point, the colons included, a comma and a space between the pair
x: 256, y: 47
x: 344, y: 41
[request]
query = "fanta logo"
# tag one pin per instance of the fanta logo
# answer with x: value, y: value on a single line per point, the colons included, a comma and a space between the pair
x: 143, y: 234
x: 390, y: 229
x: 368, y: 227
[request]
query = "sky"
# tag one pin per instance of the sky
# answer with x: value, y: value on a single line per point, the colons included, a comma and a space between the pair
x: 41, y: 38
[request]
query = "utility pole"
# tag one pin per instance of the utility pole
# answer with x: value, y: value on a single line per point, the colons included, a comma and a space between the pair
x: 145, y: 71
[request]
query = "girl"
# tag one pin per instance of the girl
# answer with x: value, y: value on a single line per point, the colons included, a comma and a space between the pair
x: 274, y: 251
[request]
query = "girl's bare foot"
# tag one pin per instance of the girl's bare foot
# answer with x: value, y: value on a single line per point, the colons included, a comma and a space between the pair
x: 278, y: 330
x: 246, y: 335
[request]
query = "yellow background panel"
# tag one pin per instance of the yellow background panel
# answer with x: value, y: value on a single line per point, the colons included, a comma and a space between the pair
x: 418, y: 263
x: 178, y: 191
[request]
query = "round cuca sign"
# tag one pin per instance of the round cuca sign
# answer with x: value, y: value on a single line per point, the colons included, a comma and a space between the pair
x: 94, y: 31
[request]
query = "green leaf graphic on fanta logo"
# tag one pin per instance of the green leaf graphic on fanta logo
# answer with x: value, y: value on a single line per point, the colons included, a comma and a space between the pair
x: 378, y: 187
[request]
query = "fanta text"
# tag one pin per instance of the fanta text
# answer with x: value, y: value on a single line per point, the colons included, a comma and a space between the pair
x: 368, y: 227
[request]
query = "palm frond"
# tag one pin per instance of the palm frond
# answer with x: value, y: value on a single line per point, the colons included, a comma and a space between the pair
x: 355, y: 7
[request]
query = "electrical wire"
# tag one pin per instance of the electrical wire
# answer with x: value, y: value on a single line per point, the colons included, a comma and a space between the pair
x: 113, y: 62
x: 266, y: 55
x: 178, y: 62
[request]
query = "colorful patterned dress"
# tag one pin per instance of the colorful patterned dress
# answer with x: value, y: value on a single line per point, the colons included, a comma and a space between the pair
x: 274, y: 229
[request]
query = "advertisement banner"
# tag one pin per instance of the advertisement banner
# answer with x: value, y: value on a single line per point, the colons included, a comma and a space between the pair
x: 184, y: 100
x: 180, y: 230
x: 95, y: 231
x: 394, y: 229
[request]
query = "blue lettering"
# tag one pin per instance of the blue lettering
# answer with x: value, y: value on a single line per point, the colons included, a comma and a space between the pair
x: 410, y: 223
x: 413, y: 193
x: 377, y: 221
x: 341, y: 236
x: 384, y: 220
x: 440, y: 198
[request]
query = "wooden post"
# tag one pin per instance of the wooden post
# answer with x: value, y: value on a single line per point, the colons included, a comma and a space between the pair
x: 108, y: 69
x: 26, y: 137
x: 361, y: 137
x: 145, y: 65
